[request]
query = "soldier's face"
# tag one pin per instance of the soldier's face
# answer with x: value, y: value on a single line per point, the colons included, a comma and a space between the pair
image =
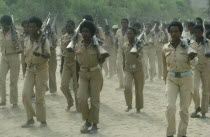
x: 26, y: 28
x: 86, y: 34
x: 198, y: 33
x: 33, y: 29
x: 198, y: 22
x: 5, y: 26
x: 130, y: 34
x: 175, y: 33
x: 69, y: 28
x: 124, y: 23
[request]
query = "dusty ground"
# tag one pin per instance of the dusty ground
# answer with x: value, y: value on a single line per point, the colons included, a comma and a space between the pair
x: 114, y: 122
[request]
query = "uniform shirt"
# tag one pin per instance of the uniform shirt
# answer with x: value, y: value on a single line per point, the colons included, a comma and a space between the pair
x: 201, y: 50
x: 108, y: 42
x: 6, y: 43
x: 65, y: 39
x: 52, y: 40
x: 87, y: 57
x: 131, y: 62
x: 29, y: 48
x: 121, y: 38
x: 176, y: 60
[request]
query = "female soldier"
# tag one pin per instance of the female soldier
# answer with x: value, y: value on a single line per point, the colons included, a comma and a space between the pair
x: 178, y: 77
x: 90, y: 77
x: 133, y: 70
x: 36, y: 58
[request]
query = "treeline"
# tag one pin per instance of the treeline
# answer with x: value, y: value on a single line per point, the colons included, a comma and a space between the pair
x: 113, y: 10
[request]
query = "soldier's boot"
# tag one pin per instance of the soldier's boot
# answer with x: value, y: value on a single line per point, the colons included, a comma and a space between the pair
x: 3, y: 104
x: 128, y: 109
x: 84, y: 128
x: 94, y: 129
x: 195, y: 114
x: 28, y: 123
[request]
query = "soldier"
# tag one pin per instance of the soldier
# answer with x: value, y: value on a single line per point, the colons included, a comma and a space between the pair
x: 198, y: 20
x: 36, y: 57
x: 201, y: 45
x: 51, y: 35
x: 208, y: 37
x: 23, y: 35
x: 10, y: 61
x: 133, y: 70
x: 69, y: 68
x: 110, y: 47
x: 149, y: 52
x: 121, y: 39
x: 178, y: 78
x: 90, y: 77
x: 190, y: 33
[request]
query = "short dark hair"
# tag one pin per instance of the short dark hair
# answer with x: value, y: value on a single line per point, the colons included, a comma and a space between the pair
x: 200, y: 27
x: 134, y: 30
x: 88, y: 18
x: 175, y: 24
x: 25, y: 22
x: 207, y: 34
x: 70, y: 22
x: 90, y: 26
x: 5, y: 19
x: 201, y: 20
x: 125, y: 19
x: 36, y: 20
x: 190, y: 24
x: 136, y: 24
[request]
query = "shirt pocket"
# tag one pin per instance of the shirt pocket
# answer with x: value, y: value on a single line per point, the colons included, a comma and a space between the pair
x: 167, y: 56
x: 79, y: 56
x: 183, y: 56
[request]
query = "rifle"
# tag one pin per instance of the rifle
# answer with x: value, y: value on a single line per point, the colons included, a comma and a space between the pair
x: 70, y: 46
x: 42, y: 36
x: 111, y: 34
x: 138, y: 40
x: 14, y: 36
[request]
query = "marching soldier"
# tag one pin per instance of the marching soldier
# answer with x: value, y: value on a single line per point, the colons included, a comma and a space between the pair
x: 208, y: 37
x: 121, y: 39
x: 69, y: 68
x: 178, y: 78
x: 53, y: 59
x: 149, y: 52
x: 10, y: 61
x: 201, y: 45
x: 90, y: 77
x: 36, y: 56
x: 133, y: 71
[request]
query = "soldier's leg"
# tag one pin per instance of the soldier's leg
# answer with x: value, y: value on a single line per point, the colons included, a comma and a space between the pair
x: 186, y: 90
x: 83, y: 95
x: 120, y: 71
x: 14, y: 76
x: 152, y: 67
x: 160, y: 63
x: 65, y: 81
x: 4, y: 68
x: 111, y: 62
x: 96, y: 82
x: 128, y: 88
x: 41, y: 80
x: 139, y: 85
x: 145, y: 63
x: 196, y: 95
x: 105, y: 67
x: 75, y: 87
x: 52, y: 72
x: 205, y: 92
x: 29, y: 82
x: 172, y: 91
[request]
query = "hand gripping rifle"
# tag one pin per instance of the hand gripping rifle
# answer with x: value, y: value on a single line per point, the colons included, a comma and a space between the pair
x: 42, y: 34
x: 15, y: 36
x: 70, y: 46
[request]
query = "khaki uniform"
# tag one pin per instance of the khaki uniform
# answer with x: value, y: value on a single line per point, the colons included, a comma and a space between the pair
x: 176, y: 60
x: 149, y: 52
x: 36, y: 75
x: 158, y: 42
x: 52, y: 63
x: 121, y: 40
x: 90, y: 81
x: 10, y: 61
x: 110, y: 63
x: 133, y: 70
x: 22, y: 37
x: 69, y: 70
x: 201, y: 74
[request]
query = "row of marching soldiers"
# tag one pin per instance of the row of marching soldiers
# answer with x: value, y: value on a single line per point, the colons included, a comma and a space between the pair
x: 134, y: 52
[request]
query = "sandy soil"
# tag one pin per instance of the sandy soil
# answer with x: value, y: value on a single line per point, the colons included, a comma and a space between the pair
x: 114, y: 121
